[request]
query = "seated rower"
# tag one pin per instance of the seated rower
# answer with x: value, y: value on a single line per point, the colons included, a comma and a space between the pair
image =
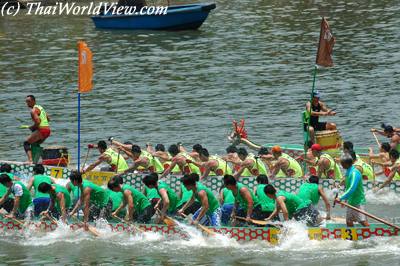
x: 209, y: 213
x: 366, y: 170
x: 195, y: 153
x: 292, y: 206
x: 152, y: 193
x: 162, y: 155
x: 117, y: 199
x: 143, y: 159
x: 139, y: 208
x: 185, y: 195
x: 60, y: 200
x: 41, y: 201
x: 9, y: 202
x: 383, y: 154
x: 169, y: 199
x: 252, y: 164
x: 108, y: 155
x: 394, y: 169
x: 22, y: 197
x: 95, y: 200
x: 285, y: 163
x: 267, y: 204
x: 212, y: 165
x: 325, y: 164
x: 392, y: 133
x: 246, y: 203
x: 314, y: 110
x: 227, y: 202
x: 311, y: 191
x: 354, y: 194
x: 180, y: 159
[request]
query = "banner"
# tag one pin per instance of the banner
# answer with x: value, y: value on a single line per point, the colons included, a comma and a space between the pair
x: 325, y: 46
x: 85, y: 68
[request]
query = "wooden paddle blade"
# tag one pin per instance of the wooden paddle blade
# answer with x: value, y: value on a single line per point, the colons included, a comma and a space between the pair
x: 168, y: 221
x: 206, y: 230
x: 94, y: 231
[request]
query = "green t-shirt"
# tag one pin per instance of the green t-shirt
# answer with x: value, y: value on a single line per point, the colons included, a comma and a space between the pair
x: 228, y: 196
x: 213, y: 203
x: 116, y: 197
x: 37, y: 180
x: 186, y: 195
x: 309, y: 192
x: 173, y: 198
x: 151, y: 193
x: 26, y: 198
x: 67, y: 197
x: 139, y: 200
x: 293, y: 202
x: 242, y: 202
x: 3, y: 189
x: 267, y: 204
x: 98, y: 195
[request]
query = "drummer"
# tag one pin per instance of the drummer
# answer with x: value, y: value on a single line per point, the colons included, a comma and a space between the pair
x: 316, y: 109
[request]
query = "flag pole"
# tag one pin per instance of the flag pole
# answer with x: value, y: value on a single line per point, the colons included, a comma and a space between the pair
x: 79, y: 131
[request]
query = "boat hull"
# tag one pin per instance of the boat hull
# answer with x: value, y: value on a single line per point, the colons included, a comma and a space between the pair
x: 183, y: 17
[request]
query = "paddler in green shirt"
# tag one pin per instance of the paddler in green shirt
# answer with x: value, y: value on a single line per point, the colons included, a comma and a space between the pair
x: 246, y: 203
x: 185, y: 195
x: 227, y: 202
x: 354, y: 194
x: 41, y: 201
x: 169, y: 199
x: 267, y: 204
x: 311, y: 191
x: 8, y: 204
x: 108, y: 155
x: 94, y: 199
x: 209, y: 213
x: 292, y: 206
x: 60, y: 199
x: 22, y: 196
x: 139, y: 208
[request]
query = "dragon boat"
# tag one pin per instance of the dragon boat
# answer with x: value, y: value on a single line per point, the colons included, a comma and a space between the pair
x: 241, y: 234
x: 24, y: 171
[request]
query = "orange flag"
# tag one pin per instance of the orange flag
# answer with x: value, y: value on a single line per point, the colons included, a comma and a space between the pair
x: 325, y: 46
x: 85, y: 68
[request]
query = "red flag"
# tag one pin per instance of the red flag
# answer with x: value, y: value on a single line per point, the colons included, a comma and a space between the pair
x: 325, y: 46
x: 85, y: 68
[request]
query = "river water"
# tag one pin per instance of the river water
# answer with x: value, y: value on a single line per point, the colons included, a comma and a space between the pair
x: 251, y: 59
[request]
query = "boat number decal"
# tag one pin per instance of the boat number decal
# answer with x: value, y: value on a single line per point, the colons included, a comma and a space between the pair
x: 349, y: 234
x: 56, y: 172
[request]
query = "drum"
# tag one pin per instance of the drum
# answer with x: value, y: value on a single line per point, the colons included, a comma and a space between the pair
x: 329, y: 139
x: 55, y: 156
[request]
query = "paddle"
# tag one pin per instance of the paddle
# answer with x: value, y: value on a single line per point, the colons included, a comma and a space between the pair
x: 167, y: 220
x: 23, y: 126
x: 91, y: 229
x: 369, y: 215
x: 14, y: 220
x: 202, y: 227
x: 377, y: 141
x: 86, y: 157
x: 137, y: 228
x: 258, y: 222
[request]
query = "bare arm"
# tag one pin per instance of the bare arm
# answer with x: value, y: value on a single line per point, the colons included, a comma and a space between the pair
x: 326, y: 201
x: 30, y: 184
x: 36, y: 120
x: 245, y: 164
x: 61, y: 200
x: 165, y: 201
x: 86, y: 202
x: 247, y: 197
x: 204, y: 205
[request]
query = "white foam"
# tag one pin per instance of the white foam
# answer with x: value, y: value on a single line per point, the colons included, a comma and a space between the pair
x: 382, y: 197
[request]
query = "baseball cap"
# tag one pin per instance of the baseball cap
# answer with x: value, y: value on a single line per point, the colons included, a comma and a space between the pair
x: 316, y: 147
x: 316, y: 94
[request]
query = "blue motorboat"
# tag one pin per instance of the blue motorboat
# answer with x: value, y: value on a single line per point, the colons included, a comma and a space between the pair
x: 178, y: 17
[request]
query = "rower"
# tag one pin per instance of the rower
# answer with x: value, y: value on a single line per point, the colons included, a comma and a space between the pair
x: 231, y: 155
x: 22, y: 197
x: 152, y: 193
x: 267, y: 204
x: 41, y: 127
x: 392, y: 133
x: 9, y: 202
x: 181, y: 159
x: 185, y: 195
x: 287, y: 164
x: 117, y: 198
x: 139, y: 208
x: 246, y: 203
x: 292, y: 206
x: 94, y: 199
x: 227, y: 202
x: 169, y: 199
x: 195, y: 153
x: 366, y: 170
x: 354, y: 194
x: 143, y: 159
x: 314, y: 110
x: 394, y: 169
x: 60, y: 200
x: 41, y: 201
x: 162, y: 155
x: 325, y: 164
x: 115, y: 160
x: 248, y: 162
x: 311, y: 191
x: 209, y: 213
x: 213, y: 165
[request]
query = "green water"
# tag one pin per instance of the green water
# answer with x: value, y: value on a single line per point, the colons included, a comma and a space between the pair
x: 250, y: 59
